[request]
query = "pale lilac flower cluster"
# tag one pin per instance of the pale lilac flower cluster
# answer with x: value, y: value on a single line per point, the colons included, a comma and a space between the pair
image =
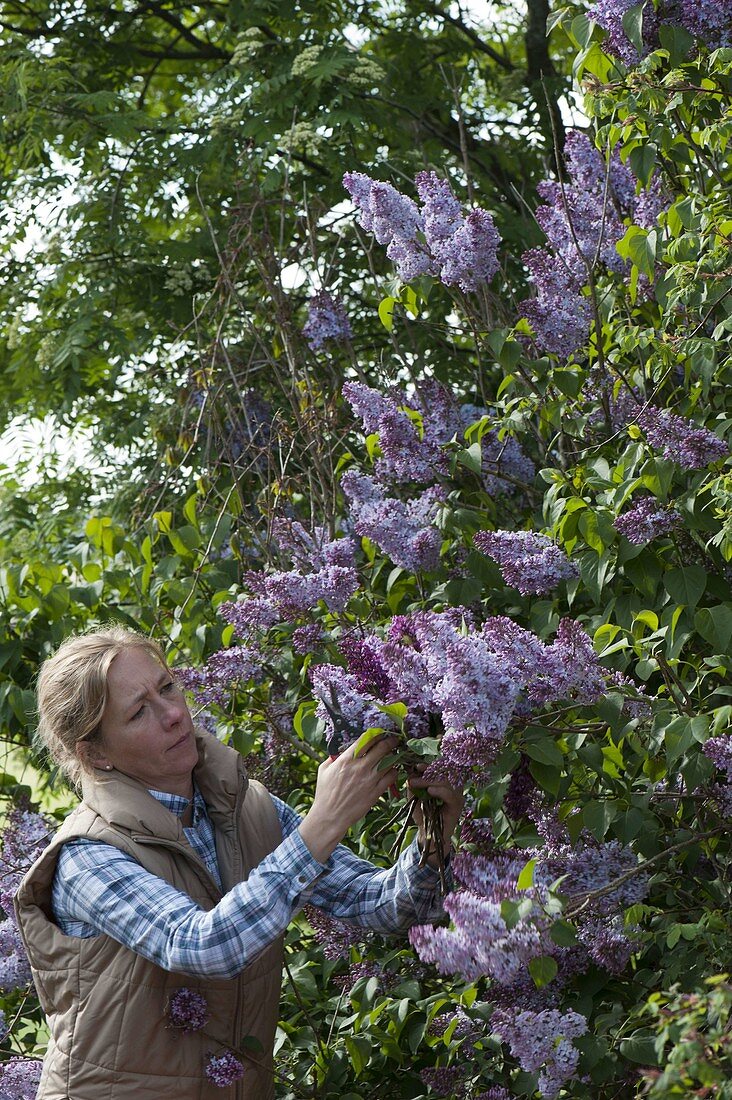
x: 345, y: 710
x: 336, y: 937
x: 607, y: 943
x: 401, y: 529
x: 499, y: 456
x: 224, y: 1069
x: 543, y: 1041
x: 560, y: 314
x: 249, y: 617
x: 188, y: 1011
x: 20, y: 1078
x: 690, y: 445
x: 440, y: 663
x: 15, y: 971
x: 325, y: 571
x: 528, y: 561
x: 437, y: 662
x: 479, y: 944
x: 583, y: 220
x: 646, y: 521
x: 568, y: 668
x: 591, y: 866
x: 24, y: 837
x: 311, y: 551
x: 327, y: 321
x: 437, y: 240
x: 291, y: 592
x: 466, y: 248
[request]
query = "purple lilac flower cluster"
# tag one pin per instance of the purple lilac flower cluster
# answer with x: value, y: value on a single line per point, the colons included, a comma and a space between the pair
x: 24, y: 837
x: 446, y: 1080
x: 646, y: 521
x: 608, y: 14
x: 480, y: 943
x: 543, y: 1041
x: 682, y: 441
x: 325, y: 571
x: 327, y: 321
x: 528, y: 561
x: 224, y: 1069
x: 719, y: 751
x: 589, y: 866
x: 336, y: 937
x: 437, y: 240
x: 188, y: 1010
x: 345, y: 710
x: 369, y: 968
x: 605, y: 877
x: 211, y: 684
x: 707, y: 20
x: 412, y: 453
x: 461, y: 1028
x: 440, y: 663
x: 583, y: 220
x: 401, y: 529
x: 407, y: 454
x: 20, y: 1078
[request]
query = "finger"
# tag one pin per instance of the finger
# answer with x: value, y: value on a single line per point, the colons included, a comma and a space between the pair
x: 387, y: 779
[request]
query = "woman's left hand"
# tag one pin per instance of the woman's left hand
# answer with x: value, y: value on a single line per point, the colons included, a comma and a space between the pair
x: 452, y: 805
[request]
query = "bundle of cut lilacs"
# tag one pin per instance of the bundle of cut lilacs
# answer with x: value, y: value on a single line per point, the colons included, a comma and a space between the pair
x: 461, y: 682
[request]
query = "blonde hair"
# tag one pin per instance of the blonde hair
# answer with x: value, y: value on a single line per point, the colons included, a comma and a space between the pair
x: 72, y: 692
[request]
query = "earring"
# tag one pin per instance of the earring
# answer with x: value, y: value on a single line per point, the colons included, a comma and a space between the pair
x: 107, y: 767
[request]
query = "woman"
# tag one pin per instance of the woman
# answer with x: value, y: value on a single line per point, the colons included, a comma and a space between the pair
x: 177, y: 873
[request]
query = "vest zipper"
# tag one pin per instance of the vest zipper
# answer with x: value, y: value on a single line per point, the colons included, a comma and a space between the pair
x: 237, y: 870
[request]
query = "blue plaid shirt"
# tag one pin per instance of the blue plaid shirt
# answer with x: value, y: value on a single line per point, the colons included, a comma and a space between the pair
x: 98, y: 888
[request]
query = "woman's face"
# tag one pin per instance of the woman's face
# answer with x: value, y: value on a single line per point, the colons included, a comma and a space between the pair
x: 146, y: 728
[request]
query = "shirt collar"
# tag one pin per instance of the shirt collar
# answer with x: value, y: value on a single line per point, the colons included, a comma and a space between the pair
x: 178, y: 805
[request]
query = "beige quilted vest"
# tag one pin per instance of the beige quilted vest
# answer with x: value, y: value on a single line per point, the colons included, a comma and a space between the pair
x: 105, y: 1004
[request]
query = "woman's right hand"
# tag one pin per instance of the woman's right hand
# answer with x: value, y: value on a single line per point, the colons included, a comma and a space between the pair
x: 346, y: 789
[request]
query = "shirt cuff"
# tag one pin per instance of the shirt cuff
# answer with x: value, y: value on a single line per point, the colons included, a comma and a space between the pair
x: 411, y: 857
